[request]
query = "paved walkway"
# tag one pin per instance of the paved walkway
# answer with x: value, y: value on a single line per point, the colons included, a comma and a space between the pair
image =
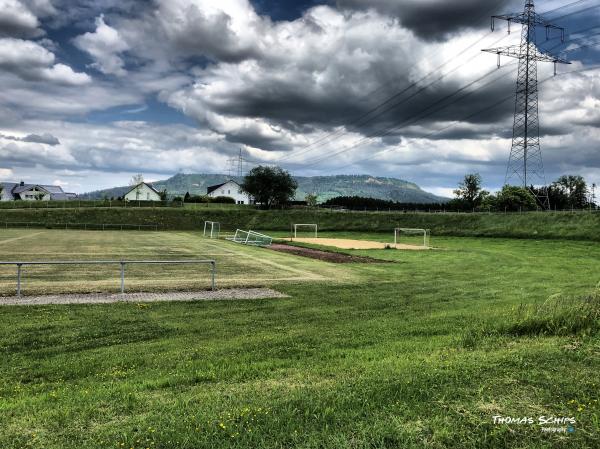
x: 106, y: 298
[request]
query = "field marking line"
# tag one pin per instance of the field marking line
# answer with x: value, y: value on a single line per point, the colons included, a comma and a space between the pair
x: 314, y: 276
x: 2, y: 242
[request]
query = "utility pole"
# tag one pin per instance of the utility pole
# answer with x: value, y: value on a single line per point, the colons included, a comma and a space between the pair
x: 525, y: 163
x: 236, y: 165
x: 240, y: 165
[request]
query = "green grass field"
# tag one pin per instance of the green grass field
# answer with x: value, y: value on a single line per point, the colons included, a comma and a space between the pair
x: 422, y: 352
x: 236, y: 265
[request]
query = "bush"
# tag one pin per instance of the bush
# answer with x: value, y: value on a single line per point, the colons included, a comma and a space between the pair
x: 223, y: 200
x: 361, y: 203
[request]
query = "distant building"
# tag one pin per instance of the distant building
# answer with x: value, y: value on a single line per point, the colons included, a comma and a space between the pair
x: 12, y: 191
x: 230, y: 189
x: 142, y: 192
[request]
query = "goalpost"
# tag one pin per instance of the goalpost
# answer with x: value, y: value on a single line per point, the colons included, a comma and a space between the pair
x: 252, y: 238
x: 313, y: 226
x: 212, y: 229
x: 410, y: 236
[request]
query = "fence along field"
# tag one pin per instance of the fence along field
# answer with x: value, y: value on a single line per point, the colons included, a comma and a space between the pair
x: 237, y: 265
x: 576, y: 226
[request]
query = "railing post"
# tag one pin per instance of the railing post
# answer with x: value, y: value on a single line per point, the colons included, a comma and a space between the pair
x: 213, y: 274
x: 19, y: 279
x: 122, y: 277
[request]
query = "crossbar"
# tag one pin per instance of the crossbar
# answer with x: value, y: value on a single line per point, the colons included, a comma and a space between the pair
x: 122, y: 263
x: 419, y: 231
x: 306, y: 225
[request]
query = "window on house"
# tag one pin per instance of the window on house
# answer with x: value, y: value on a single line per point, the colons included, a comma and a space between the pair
x: 229, y: 192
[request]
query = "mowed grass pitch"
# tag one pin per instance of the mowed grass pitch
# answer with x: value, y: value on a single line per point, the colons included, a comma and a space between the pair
x: 412, y: 354
x: 237, y: 265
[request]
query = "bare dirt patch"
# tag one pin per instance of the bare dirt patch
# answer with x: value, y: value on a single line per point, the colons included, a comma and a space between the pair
x: 359, y: 244
x: 325, y: 256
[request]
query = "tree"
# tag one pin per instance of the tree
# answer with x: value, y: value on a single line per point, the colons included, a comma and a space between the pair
x: 470, y: 192
x: 136, y: 179
x: 514, y: 199
x: 163, y: 194
x: 311, y: 200
x: 574, y: 188
x: 187, y: 197
x: 270, y: 186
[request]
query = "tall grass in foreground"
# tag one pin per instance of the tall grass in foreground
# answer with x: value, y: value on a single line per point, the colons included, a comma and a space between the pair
x: 557, y: 316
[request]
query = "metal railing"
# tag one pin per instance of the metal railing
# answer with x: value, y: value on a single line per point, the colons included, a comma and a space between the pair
x: 122, y: 263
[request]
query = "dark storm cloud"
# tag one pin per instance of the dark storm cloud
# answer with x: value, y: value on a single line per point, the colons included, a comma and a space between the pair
x: 284, y: 103
x: 437, y: 18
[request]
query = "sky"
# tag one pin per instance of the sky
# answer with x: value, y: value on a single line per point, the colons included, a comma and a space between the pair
x: 95, y: 91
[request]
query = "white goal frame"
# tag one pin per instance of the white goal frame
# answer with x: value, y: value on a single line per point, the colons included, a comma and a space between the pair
x: 425, y: 232
x: 306, y: 225
x: 252, y: 238
x: 212, y: 229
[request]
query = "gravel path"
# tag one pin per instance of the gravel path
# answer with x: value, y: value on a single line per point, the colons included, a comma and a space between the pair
x: 106, y: 298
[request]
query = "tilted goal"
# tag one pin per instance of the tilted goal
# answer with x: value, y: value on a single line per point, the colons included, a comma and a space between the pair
x: 251, y: 238
x: 311, y: 226
x: 410, y: 236
x: 212, y: 229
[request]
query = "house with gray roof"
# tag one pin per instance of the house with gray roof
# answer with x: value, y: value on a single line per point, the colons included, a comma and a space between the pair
x: 12, y: 191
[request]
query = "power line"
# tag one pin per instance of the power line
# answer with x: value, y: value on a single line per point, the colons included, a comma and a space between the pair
x: 389, y: 130
x: 402, y: 125
x: 466, y: 118
x: 364, y: 122
x: 364, y: 118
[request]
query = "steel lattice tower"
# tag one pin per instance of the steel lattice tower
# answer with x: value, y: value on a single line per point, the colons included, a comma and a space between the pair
x: 525, y: 163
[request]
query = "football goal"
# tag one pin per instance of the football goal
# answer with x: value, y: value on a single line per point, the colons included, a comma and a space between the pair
x: 251, y: 238
x: 413, y: 237
x: 311, y: 228
x: 212, y: 229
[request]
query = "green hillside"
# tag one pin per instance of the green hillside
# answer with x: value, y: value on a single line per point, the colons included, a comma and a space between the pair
x: 325, y: 187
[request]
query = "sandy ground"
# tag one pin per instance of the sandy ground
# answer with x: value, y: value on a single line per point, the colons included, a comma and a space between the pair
x: 358, y: 244
x: 106, y: 298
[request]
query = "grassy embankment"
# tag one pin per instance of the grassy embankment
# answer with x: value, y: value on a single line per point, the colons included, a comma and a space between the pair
x: 579, y: 226
x: 421, y: 353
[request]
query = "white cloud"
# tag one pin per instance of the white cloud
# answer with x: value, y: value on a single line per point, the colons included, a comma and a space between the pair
x: 275, y: 87
x: 16, y: 19
x: 160, y: 150
x: 32, y: 62
x: 104, y: 45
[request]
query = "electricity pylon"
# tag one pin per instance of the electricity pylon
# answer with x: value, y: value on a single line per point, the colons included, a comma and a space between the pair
x: 525, y: 162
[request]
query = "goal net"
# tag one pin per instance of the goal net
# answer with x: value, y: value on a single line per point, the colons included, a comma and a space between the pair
x: 412, y: 237
x: 251, y: 238
x: 212, y: 229
x: 306, y: 229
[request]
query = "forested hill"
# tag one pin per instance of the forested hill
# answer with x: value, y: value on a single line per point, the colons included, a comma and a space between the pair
x: 325, y: 187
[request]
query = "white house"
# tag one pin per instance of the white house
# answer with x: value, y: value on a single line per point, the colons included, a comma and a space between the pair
x: 142, y: 192
x: 230, y: 189
x: 12, y: 191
